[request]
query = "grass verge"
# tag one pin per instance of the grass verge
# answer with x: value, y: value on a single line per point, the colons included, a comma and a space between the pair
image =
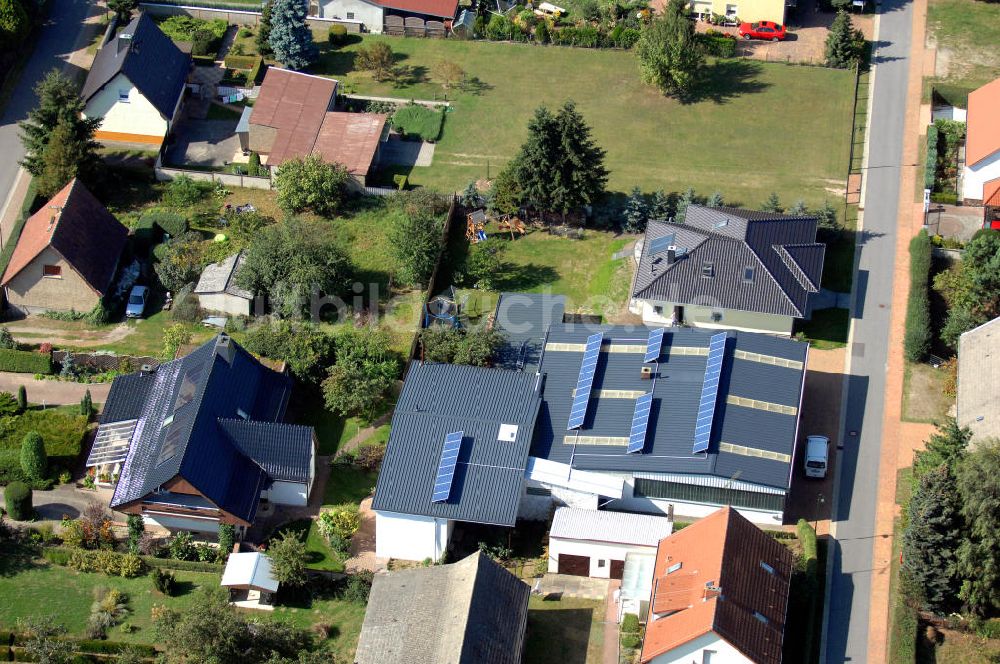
x: 827, y: 329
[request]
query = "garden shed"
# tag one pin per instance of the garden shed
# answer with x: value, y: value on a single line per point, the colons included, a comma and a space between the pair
x: 250, y: 581
x: 217, y: 290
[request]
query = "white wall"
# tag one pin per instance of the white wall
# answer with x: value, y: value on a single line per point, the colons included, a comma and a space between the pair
x: 697, y: 316
x: 137, y: 116
x: 287, y: 493
x: 685, y: 510
x: 973, y: 178
x: 597, y: 551
x: 225, y: 303
x: 369, y: 14
x: 540, y: 508
x: 693, y: 652
x: 410, y: 537
x: 182, y: 523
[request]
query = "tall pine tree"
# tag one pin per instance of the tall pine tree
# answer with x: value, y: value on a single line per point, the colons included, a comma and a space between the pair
x: 291, y: 39
x: 979, y: 555
x: 932, y: 538
x: 660, y: 209
x: 636, y: 212
x: 61, y: 160
x: 670, y: 56
x: 686, y: 199
x: 843, y: 42
x: 58, y: 100
x: 263, y: 39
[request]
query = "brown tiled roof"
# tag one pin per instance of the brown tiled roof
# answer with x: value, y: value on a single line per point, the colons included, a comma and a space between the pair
x: 77, y: 226
x: 719, y: 584
x: 983, y: 137
x: 295, y: 104
x: 350, y: 139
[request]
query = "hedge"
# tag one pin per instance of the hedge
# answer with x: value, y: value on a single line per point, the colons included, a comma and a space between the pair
x: 811, y: 585
x: 17, y: 500
x: 257, y: 73
x: 241, y: 61
x: 942, y: 197
x: 25, y: 361
x: 917, y: 336
x: 182, y: 565
x: 113, y: 647
x: 930, y: 167
x: 718, y: 45
x: 170, y: 223
x: 419, y: 122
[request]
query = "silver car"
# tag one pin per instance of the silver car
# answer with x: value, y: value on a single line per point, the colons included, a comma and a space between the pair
x: 136, y: 302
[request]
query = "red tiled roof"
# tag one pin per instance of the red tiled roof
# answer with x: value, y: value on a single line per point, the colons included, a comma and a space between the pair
x: 983, y: 135
x: 443, y: 8
x: 718, y: 584
x: 295, y: 104
x: 991, y: 193
x: 350, y: 139
x: 77, y: 226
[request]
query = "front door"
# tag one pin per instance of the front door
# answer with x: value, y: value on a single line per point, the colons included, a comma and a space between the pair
x: 575, y: 565
x: 617, y: 569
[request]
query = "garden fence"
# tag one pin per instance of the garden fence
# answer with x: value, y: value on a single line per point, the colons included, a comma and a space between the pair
x: 104, y: 361
x: 164, y: 174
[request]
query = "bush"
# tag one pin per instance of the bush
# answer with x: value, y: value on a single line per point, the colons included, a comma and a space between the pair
x: 945, y: 198
x: 8, y: 404
x: 17, y: 499
x: 203, y: 42
x: 256, y: 74
x: 341, y: 521
x: 164, y: 581
x: 183, y: 192
x: 113, y: 647
x: 131, y: 566
x: 34, y: 462
x: 227, y: 538
x: 337, y: 35
x: 56, y: 556
x: 917, y: 335
x: 400, y: 181
x: 182, y: 547
x: 719, y: 46
x: 241, y: 61
x: 23, y: 361
x: 171, y: 223
x: 630, y: 623
x: 253, y: 165
x: 418, y: 122
x: 631, y: 641
x: 930, y: 166
x: 311, y: 184
x: 358, y: 587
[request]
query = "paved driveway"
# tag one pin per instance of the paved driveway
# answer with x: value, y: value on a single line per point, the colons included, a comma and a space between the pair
x: 398, y: 152
x: 64, y: 500
x: 206, y: 143
x: 52, y: 392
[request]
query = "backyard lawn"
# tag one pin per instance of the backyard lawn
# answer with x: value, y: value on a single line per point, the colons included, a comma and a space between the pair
x: 802, y: 113
x: 564, y: 630
x: 827, y: 329
x: 967, y: 34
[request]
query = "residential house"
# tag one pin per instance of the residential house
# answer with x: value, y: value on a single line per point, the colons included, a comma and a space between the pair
x: 981, y: 175
x: 655, y: 420
x: 719, y: 594
x: 200, y: 441
x: 294, y: 116
x: 470, y: 612
x: 217, y: 290
x: 372, y: 14
x: 66, y: 256
x: 979, y: 380
x: 728, y: 268
x: 734, y: 10
x: 136, y: 85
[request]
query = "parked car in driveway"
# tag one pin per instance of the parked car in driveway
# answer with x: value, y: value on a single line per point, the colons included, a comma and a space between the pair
x: 136, y: 302
x: 768, y: 30
x: 817, y: 456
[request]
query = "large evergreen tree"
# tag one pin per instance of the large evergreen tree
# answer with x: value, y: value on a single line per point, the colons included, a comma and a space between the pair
x: 559, y: 168
x: 636, y: 212
x: 58, y: 100
x: 14, y: 24
x: 946, y: 447
x: 932, y: 539
x: 979, y: 555
x: 290, y: 38
x: 62, y: 159
x: 843, y: 42
x: 670, y: 56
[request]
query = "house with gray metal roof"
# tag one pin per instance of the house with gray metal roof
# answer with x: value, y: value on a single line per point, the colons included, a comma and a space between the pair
x: 470, y: 612
x: 979, y: 381
x: 728, y: 268
x: 200, y: 440
x: 136, y: 85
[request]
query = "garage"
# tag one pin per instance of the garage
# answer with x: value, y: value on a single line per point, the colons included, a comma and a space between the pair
x: 617, y: 569
x: 575, y: 565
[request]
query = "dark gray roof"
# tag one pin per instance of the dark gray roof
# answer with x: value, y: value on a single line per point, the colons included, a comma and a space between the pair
x: 127, y: 397
x: 284, y: 451
x: 524, y: 318
x: 470, y: 612
x: 441, y: 398
x: 179, y: 431
x: 149, y: 59
x: 676, y: 394
x: 787, y: 262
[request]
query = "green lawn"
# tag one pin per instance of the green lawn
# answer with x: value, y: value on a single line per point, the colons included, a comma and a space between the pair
x: 802, y: 115
x: 827, y: 329
x: 62, y: 429
x: 564, y: 630
x: 47, y: 590
x: 967, y: 33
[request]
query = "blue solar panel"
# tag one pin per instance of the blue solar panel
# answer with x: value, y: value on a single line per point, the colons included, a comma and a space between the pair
x: 660, y: 244
x: 637, y: 438
x: 654, y: 345
x: 709, y: 392
x: 578, y: 411
x: 446, y: 467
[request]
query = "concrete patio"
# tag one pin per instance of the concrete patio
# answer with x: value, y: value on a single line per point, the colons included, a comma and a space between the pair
x: 564, y: 585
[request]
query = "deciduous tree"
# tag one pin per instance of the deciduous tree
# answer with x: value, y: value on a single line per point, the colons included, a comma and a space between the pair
x: 288, y: 560
x: 979, y: 555
x: 365, y: 369
x: 416, y: 243
x: 14, y: 24
x: 290, y: 36
x: 311, y: 184
x: 669, y: 55
x: 376, y: 58
x: 448, y: 73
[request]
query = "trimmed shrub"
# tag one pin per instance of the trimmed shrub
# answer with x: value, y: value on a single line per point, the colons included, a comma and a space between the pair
x: 171, y: 223
x: 131, y: 566
x: 337, y: 35
x: 24, y: 361
x: 418, y: 122
x: 807, y: 536
x: 240, y: 61
x: 917, y: 335
x: 203, y: 42
x: 253, y: 166
x: 22, y: 398
x: 113, y: 647
x: 227, y: 538
x: 631, y: 641
x: 400, y: 181
x: 930, y: 166
x: 164, y: 582
x: 17, y: 499
x: 719, y: 46
x: 630, y: 623
x: 256, y: 74
x: 34, y: 462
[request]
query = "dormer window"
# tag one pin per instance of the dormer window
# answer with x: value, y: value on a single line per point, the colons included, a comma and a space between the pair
x: 767, y: 568
x: 748, y: 273
x: 674, y: 568
x: 123, y: 96
x: 242, y: 413
x: 708, y: 269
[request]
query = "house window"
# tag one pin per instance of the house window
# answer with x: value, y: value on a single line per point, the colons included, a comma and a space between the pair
x: 708, y: 269
x: 51, y: 270
x: 760, y: 616
x: 716, y: 316
x: 731, y: 11
x: 123, y: 96
x: 537, y: 491
x: 674, y: 568
x: 350, y: 16
x: 767, y: 568
x: 242, y: 413
x: 708, y: 495
x: 658, y: 311
x: 748, y: 273
x: 601, y: 563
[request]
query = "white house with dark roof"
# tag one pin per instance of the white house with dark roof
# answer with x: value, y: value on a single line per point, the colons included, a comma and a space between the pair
x: 727, y: 268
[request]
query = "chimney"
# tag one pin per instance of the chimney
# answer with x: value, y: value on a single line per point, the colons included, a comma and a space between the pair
x: 123, y: 42
x: 224, y: 347
x: 671, y: 255
x: 646, y: 373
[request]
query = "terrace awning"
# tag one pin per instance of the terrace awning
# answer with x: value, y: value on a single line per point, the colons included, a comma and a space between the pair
x: 111, y: 443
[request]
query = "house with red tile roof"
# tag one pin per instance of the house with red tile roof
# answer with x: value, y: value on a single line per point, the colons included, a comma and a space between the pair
x: 66, y: 256
x: 295, y: 116
x: 720, y: 594
x: 981, y: 176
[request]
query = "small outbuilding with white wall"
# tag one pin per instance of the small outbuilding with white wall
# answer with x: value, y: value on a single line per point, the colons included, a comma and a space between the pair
x: 596, y: 542
x: 250, y: 581
x: 217, y: 290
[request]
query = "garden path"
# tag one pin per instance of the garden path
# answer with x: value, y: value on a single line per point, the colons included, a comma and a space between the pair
x: 35, y: 330
x: 52, y: 392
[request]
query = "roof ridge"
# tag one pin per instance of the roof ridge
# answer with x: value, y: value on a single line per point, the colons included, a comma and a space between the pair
x: 800, y: 275
x: 777, y: 283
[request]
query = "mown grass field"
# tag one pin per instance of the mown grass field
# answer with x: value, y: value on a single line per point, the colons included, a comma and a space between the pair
x: 967, y: 34
x: 757, y: 128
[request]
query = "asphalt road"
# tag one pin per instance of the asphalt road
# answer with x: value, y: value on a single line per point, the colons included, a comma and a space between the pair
x: 52, y: 49
x: 854, y: 517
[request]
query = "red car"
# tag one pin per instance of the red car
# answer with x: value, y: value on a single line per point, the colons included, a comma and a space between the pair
x: 768, y: 30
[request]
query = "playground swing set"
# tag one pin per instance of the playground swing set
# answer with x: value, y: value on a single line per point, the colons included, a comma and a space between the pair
x: 476, y: 221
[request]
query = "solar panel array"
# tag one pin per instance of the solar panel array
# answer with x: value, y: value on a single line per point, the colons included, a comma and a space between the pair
x: 654, y: 345
x: 446, y: 467
x: 640, y: 420
x: 660, y: 244
x: 585, y: 382
x: 709, y: 392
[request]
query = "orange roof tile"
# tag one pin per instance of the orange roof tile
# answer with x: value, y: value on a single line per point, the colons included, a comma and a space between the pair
x: 991, y: 192
x: 983, y: 130
x: 711, y: 577
x: 76, y: 225
x: 350, y: 139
